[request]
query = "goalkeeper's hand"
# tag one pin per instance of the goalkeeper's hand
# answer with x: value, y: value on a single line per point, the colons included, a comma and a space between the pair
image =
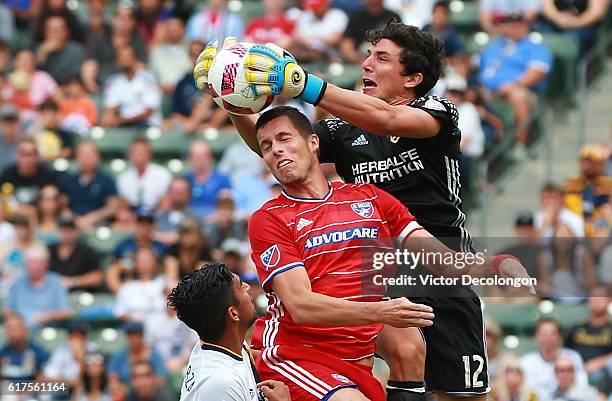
x: 271, y: 70
x: 205, y: 59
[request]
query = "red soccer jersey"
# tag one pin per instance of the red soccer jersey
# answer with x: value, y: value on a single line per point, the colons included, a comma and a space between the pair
x: 325, y: 237
x: 260, y: 30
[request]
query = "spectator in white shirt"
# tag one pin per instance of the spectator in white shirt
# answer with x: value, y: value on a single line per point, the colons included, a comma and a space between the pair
x: 553, y: 213
x: 170, y: 60
x: 145, y: 182
x: 214, y: 22
x: 413, y: 12
x: 132, y: 97
x: 539, y: 366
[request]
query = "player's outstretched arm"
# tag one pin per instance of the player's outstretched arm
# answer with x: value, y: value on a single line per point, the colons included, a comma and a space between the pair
x: 310, y: 308
x: 274, y: 71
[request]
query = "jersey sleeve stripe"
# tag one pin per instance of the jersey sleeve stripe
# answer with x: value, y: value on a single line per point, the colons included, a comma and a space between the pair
x: 280, y: 270
x: 407, y: 231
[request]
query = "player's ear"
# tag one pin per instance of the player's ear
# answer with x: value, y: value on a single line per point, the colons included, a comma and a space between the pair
x: 232, y: 313
x: 413, y: 80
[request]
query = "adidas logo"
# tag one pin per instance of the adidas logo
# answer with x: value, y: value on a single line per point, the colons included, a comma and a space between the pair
x: 303, y: 223
x: 361, y: 140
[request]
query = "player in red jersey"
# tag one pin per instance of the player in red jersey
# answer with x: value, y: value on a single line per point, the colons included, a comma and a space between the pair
x: 319, y: 333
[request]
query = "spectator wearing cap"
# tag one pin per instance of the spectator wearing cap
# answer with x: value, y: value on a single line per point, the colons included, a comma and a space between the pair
x: 143, y: 184
x: 132, y: 98
x: 28, y: 175
x: 39, y: 296
x: 170, y: 59
x: 272, y: 26
x: 552, y: 213
x: 29, y: 86
x: 491, y: 9
x: 169, y: 219
x: 514, y: 67
x: 539, y: 366
x: 441, y: 28
x: 588, y: 194
x: 125, y: 252
x: 66, y: 360
x: 76, y: 262
x: 145, y: 386
x: 318, y: 32
x: 528, y: 248
x: 206, y: 182
x: 20, y: 358
x: 91, y: 193
x: 57, y: 54
x: 93, y: 384
x: 10, y: 132
x: 120, y: 364
x: 53, y: 141
x: 189, y: 253
x: 214, y: 22
x: 568, y: 389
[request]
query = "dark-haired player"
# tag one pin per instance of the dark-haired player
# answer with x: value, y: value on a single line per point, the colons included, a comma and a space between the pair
x: 400, y: 139
x: 216, y: 304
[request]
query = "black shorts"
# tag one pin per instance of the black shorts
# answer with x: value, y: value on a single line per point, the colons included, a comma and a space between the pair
x: 456, y: 358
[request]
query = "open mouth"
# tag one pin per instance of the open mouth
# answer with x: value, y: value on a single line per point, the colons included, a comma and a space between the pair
x: 283, y: 163
x: 369, y: 84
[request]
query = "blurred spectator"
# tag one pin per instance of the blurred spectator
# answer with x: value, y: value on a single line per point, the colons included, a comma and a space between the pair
x: 124, y: 254
x: 20, y: 358
x: 53, y: 141
x: 272, y: 26
x: 75, y: 261
x: 190, y: 253
x: 253, y: 191
x: 510, y: 385
x: 206, y: 182
x: 12, y: 254
x: 496, y: 356
x: 53, y: 8
x: 7, y: 24
x: 143, y: 184
x: 103, y: 43
x: 66, y: 360
x: 539, y: 366
x: 7, y: 234
x: 145, y: 386
x: 120, y: 364
x: 514, y: 67
x: 93, y: 385
x: 132, y: 98
x: 593, y: 339
x: 91, y: 193
x: 57, y: 54
x: 167, y: 221
x: 490, y: 10
x: 214, y: 22
x: 28, y: 175
x: 125, y: 218
x: 170, y: 337
x: 413, y: 12
x: 472, y: 135
x: 143, y: 296
x: 568, y: 389
x: 39, y: 296
x: 10, y: 132
x: 353, y: 45
x: 567, y: 268
x: 79, y: 112
x: 148, y: 17
x: 170, y: 58
x: 440, y: 28
x: 527, y: 248
x: 48, y: 213
x: 224, y: 223
x: 237, y: 162
x: 588, y: 194
x: 553, y: 213
x: 580, y: 18
x: 318, y: 32
x: 5, y: 55
x: 30, y: 87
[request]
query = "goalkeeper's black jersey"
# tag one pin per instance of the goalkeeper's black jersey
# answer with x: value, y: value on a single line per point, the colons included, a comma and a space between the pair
x: 422, y: 173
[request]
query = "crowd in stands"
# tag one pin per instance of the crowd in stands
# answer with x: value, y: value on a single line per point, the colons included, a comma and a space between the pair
x: 110, y: 64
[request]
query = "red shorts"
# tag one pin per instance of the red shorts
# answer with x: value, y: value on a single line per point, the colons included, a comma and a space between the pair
x: 312, y: 375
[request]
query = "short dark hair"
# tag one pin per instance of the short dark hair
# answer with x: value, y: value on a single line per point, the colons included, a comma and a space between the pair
x: 142, y: 362
x: 421, y: 51
x: 201, y: 300
x: 299, y: 121
x: 140, y: 140
x: 49, y: 104
x: 551, y: 187
x: 545, y: 320
x: 441, y: 4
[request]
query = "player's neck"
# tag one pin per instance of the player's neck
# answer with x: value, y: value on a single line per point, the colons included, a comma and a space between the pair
x: 315, y: 186
x: 231, y: 341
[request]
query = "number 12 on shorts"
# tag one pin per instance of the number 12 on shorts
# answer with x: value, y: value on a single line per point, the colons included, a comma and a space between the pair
x: 472, y: 381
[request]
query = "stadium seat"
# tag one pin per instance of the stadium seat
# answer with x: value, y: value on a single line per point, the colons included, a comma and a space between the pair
x: 513, y: 318
x: 465, y: 16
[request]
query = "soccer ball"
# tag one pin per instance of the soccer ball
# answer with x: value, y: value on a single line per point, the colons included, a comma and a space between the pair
x: 228, y: 85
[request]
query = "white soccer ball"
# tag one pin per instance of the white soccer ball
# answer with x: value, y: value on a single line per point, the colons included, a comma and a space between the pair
x: 228, y: 85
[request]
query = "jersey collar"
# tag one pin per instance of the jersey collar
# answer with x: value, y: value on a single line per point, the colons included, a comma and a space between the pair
x: 311, y: 200
x: 214, y: 347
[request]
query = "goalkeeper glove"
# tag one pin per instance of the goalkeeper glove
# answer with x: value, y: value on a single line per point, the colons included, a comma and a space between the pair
x: 205, y: 59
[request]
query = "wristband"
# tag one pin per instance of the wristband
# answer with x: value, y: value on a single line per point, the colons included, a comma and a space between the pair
x: 498, y: 259
x: 314, y: 88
